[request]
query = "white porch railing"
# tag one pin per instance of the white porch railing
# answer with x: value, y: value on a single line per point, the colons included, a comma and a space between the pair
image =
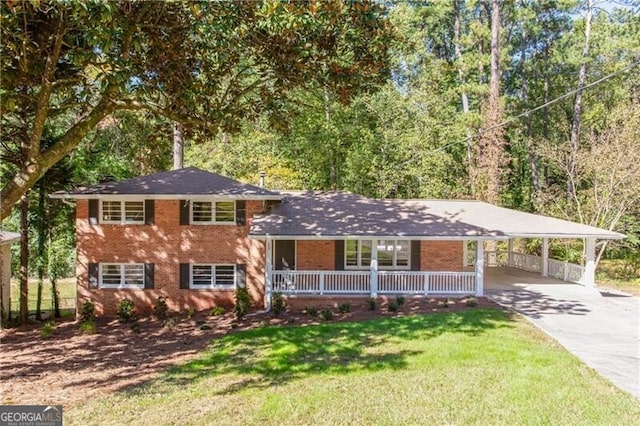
x: 565, y: 271
x: 359, y: 282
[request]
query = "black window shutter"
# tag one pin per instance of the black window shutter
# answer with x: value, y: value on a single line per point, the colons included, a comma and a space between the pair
x: 241, y: 212
x: 148, y: 275
x: 93, y: 212
x: 93, y: 275
x: 241, y: 275
x: 184, y: 275
x: 415, y: 255
x: 339, y: 255
x: 184, y: 212
x: 149, y: 212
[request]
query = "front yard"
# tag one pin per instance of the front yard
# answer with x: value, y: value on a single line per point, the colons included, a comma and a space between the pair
x: 478, y: 366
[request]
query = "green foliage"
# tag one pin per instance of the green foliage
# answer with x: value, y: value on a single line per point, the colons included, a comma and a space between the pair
x: 371, y: 304
x: 400, y: 300
x: 126, y: 311
x: 217, y: 311
x: 88, y: 311
x: 443, y: 303
x: 471, y: 302
x: 326, y: 315
x: 160, y: 308
x: 278, y: 304
x: 47, y: 329
x: 311, y: 311
x: 344, y: 308
x: 88, y: 327
x: 393, y: 306
x: 191, y: 311
x: 243, y: 302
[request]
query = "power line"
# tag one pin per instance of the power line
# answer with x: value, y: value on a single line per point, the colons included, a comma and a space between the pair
x: 528, y: 112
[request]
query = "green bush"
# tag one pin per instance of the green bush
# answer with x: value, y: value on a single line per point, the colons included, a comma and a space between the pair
x: 160, y: 308
x: 88, y: 311
x: 371, y: 304
x: 191, y: 311
x: 217, y: 311
x: 88, y: 327
x: 135, y: 326
x: 345, y: 308
x: 47, y: 329
x: 243, y: 302
x: 400, y: 300
x: 311, y: 310
x: 326, y: 315
x: 126, y: 311
x: 278, y: 304
x: 393, y: 306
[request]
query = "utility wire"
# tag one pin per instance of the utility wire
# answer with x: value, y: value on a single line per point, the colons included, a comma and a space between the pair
x: 526, y: 113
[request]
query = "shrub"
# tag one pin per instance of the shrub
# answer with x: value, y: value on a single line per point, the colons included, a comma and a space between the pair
x: 326, y: 315
x: 169, y: 322
x: 126, y: 311
x: 278, y: 304
x: 345, y: 308
x: 191, y: 311
x: 47, y: 329
x: 160, y: 309
x: 392, y: 306
x: 400, y: 300
x: 217, y: 311
x: 88, y: 311
x: 205, y: 327
x: 471, y: 302
x: 135, y: 326
x: 311, y: 310
x: 243, y: 302
x: 371, y: 304
x: 88, y: 327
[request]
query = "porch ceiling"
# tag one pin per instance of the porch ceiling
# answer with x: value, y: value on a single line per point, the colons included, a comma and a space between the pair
x: 341, y: 215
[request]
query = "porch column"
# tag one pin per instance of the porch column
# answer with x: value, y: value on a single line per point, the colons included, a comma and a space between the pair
x: 510, y: 251
x: 545, y: 257
x: 465, y: 255
x: 374, y: 268
x: 589, y: 277
x: 479, y: 268
x: 268, y: 267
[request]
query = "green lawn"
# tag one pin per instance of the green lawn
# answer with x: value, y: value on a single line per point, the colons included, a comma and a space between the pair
x: 473, y: 367
x: 66, y: 290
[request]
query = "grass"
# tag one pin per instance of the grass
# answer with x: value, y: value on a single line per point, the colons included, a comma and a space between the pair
x: 66, y: 290
x: 619, y: 274
x: 472, y: 367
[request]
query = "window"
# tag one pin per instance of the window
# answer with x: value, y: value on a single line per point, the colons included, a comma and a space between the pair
x: 392, y: 254
x: 122, y: 275
x: 204, y: 212
x: 213, y: 276
x: 131, y: 212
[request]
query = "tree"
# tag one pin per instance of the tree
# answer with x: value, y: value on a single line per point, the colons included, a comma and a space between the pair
x: 206, y: 65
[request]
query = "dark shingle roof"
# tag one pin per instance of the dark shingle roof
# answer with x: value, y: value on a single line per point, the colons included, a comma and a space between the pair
x: 343, y: 214
x: 188, y: 181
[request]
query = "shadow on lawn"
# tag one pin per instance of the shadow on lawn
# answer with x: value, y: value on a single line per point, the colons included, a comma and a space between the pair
x: 275, y: 355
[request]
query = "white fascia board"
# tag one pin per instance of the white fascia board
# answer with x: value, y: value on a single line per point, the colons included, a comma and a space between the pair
x: 379, y: 237
x: 165, y: 197
x: 612, y: 236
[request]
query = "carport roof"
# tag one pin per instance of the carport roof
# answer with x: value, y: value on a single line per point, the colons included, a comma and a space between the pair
x: 344, y: 215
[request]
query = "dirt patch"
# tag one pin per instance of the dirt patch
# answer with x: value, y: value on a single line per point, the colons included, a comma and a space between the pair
x: 69, y: 367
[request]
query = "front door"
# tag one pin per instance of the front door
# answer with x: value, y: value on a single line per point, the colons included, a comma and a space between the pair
x: 284, y: 253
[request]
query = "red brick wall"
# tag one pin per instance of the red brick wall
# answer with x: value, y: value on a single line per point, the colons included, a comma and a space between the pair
x: 167, y: 244
x: 441, y: 255
x: 316, y: 255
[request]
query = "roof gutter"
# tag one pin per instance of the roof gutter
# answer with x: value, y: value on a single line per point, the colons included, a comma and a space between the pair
x: 67, y: 196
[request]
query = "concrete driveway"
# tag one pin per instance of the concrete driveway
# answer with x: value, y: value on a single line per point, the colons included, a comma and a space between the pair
x: 600, y: 328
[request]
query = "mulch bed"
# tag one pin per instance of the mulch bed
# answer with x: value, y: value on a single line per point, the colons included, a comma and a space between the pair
x: 70, y: 367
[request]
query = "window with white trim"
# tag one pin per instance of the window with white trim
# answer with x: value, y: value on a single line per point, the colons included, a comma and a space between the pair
x: 212, y: 276
x: 392, y: 254
x: 207, y: 212
x: 120, y: 212
x: 121, y: 275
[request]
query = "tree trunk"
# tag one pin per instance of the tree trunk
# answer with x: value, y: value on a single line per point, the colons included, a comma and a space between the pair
x: 40, y: 256
x: 457, y: 24
x: 577, y: 104
x: 24, y: 258
x: 178, y: 145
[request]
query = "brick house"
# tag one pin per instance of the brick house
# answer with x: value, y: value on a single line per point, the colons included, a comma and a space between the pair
x: 194, y: 237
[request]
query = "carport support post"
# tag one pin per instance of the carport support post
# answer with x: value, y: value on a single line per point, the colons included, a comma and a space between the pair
x: 510, y: 252
x: 267, y: 273
x: 545, y: 257
x: 589, y: 278
x: 479, y: 268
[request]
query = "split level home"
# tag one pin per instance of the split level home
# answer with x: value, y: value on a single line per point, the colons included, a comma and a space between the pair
x: 195, y: 237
